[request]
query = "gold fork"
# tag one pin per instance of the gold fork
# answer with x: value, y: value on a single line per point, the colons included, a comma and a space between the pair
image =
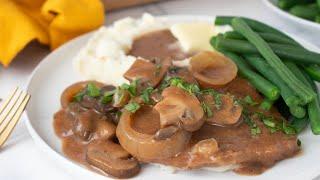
x: 11, y: 111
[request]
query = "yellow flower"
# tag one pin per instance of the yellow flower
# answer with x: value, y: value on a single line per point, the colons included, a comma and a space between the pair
x: 51, y: 22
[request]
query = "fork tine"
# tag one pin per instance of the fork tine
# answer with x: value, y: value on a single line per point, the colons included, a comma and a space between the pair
x: 4, y: 105
x: 10, y: 105
x: 12, y: 122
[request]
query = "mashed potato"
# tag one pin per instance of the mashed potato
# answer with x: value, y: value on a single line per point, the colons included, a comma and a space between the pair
x: 104, y: 58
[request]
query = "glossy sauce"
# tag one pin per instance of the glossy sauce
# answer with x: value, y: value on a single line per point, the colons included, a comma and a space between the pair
x: 237, y: 146
x: 252, y: 154
x: 159, y: 44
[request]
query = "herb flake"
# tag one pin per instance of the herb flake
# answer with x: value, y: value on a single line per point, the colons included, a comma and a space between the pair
x: 249, y: 101
x: 145, y: 95
x: 131, y: 88
x: 254, y: 128
x: 191, y: 88
x: 107, y: 97
x: 206, y: 109
x: 132, y: 107
x: 93, y: 90
x: 79, y: 96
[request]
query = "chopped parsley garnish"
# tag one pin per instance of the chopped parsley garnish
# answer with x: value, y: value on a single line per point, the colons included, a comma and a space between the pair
x: 249, y: 101
x: 107, y: 97
x: 269, y: 122
x: 79, y: 96
x: 275, y: 125
x: 176, y: 81
x: 206, y: 109
x: 211, y: 92
x: 131, y: 88
x: 193, y: 89
x: 236, y: 101
x: 287, y: 129
x: 254, y: 128
x: 218, y: 101
x: 216, y: 95
x: 180, y: 83
x: 165, y: 83
x: 132, y: 107
x: 145, y: 95
x: 93, y: 90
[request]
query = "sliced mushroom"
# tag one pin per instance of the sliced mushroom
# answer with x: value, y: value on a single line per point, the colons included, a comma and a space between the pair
x: 212, y: 69
x: 112, y: 159
x: 104, y: 129
x: 166, y: 133
x: 91, y: 125
x: 180, y: 108
x: 136, y: 134
x: 147, y: 71
x: 227, y: 112
x: 63, y: 123
x: 84, y: 124
x: 71, y: 91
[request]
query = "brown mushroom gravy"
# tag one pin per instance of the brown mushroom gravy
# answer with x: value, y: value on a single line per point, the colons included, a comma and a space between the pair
x: 158, y: 44
x: 175, y: 117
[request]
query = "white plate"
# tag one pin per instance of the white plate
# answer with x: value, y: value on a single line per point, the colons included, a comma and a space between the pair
x: 272, y: 4
x: 55, y: 73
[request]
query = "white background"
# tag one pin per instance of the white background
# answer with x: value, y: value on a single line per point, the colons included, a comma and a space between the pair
x: 21, y: 159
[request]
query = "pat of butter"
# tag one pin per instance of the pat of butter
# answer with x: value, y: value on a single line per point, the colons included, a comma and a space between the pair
x: 194, y: 36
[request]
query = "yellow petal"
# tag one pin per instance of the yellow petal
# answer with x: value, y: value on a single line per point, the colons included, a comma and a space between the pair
x: 30, y: 3
x: 17, y: 30
x: 70, y: 18
x: 33, y: 9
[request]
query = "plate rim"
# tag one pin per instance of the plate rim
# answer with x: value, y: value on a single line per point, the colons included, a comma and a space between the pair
x: 43, y: 146
x: 289, y: 16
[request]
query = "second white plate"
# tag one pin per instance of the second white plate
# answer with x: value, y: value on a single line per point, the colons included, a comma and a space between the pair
x: 272, y: 4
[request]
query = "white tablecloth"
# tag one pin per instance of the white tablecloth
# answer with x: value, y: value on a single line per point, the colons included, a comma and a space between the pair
x: 21, y: 159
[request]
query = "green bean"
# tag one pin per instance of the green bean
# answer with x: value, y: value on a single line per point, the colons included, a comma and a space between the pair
x: 264, y: 68
x: 296, y: 70
x: 299, y: 124
x: 313, y: 106
x: 304, y: 92
x: 297, y: 111
x: 287, y: 94
x: 287, y: 4
x: 255, y: 25
x: 260, y: 83
x: 317, y: 19
x: 269, y: 37
x: 292, y: 53
x: 313, y: 71
x: 305, y: 11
